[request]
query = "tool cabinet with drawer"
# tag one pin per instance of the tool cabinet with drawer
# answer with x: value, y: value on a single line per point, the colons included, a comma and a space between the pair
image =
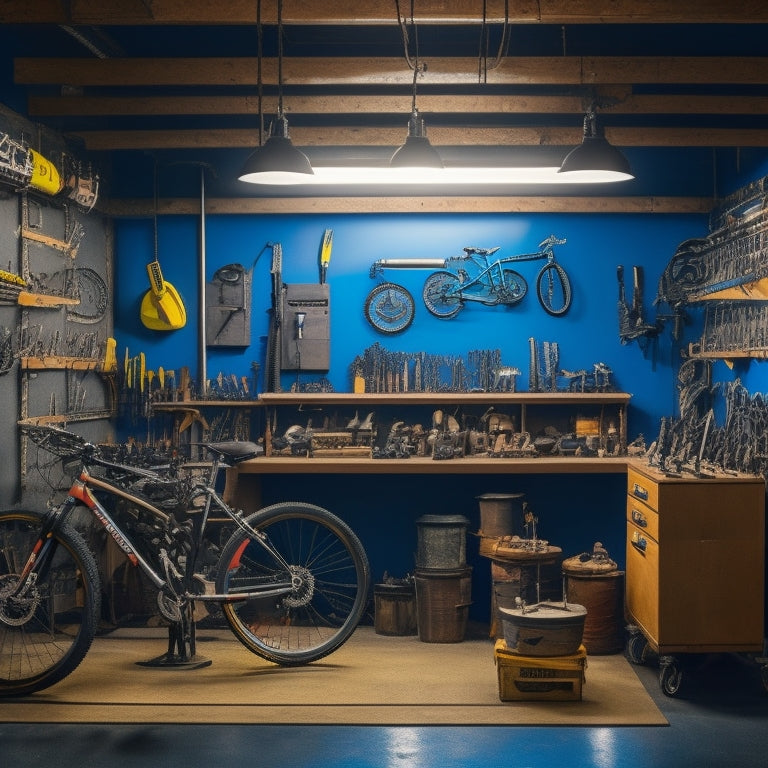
x: 695, y: 562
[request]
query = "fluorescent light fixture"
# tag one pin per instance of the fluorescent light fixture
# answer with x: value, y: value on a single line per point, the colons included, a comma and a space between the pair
x: 595, y: 160
x: 450, y: 176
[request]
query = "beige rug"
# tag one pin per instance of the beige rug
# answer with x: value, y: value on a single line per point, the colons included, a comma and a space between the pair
x: 372, y: 680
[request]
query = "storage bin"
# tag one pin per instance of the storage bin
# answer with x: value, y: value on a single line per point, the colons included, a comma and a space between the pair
x: 442, y: 542
x: 394, y: 609
x: 525, y: 678
x: 603, y: 597
x: 544, y: 629
x: 442, y: 604
x: 531, y: 582
x: 498, y: 512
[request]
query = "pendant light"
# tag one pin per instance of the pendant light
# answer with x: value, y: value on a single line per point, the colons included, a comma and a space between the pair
x: 595, y: 159
x: 277, y: 161
x: 417, y: 152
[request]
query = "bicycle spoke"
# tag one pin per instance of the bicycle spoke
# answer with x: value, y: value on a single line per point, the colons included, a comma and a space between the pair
x: 46, y: 628
x: 329, y: 575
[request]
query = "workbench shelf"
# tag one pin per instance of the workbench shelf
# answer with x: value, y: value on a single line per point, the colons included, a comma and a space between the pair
x: 329, y: 415
x: 527, y: 408
x: 189, y: 423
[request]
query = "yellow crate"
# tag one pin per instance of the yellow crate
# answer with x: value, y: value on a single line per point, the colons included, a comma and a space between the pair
x: 539, y: 678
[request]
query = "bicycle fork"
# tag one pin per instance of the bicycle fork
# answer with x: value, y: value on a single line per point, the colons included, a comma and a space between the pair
x: 37, y: 562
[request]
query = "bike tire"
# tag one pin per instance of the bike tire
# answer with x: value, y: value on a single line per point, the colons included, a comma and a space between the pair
x: 389, y: 308
x: 434, y: 294
x: 92, y: 292
x: 330, y: 594
x: 554, y: 289
x: 517, y: 287
x: 45, y: 635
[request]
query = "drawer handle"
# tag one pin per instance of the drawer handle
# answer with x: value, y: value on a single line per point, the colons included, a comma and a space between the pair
x: 640, y: 543
x: 638, y: 518
x: 640, y: 492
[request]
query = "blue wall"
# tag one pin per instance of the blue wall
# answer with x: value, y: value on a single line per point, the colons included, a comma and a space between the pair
x: 588, y: 333
x: 574, y: 511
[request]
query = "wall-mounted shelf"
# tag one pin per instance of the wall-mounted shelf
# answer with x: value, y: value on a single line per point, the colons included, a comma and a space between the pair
x: 528, y: 408
x: 442, y: 398
x: 180, y: 405
x: 60, y: 363
x: 201, y: 421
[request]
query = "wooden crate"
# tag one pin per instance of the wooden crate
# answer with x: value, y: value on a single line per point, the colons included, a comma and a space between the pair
x: 529, y: 678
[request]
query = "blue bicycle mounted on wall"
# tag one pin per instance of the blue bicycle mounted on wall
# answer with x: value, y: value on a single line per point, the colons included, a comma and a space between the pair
x: 474, y: 276
x: 490, y: 282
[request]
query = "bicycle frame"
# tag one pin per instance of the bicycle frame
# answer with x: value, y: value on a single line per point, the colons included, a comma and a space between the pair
x: 80, y: 494
x: 493, y: 283
x: 494, y: 272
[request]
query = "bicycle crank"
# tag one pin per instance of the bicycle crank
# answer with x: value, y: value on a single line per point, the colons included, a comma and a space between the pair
x: 170, y: 606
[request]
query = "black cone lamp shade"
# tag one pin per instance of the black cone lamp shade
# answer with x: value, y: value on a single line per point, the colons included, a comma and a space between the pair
x: 417, y: 152
x: 278, y: 161
x: 595, y: 159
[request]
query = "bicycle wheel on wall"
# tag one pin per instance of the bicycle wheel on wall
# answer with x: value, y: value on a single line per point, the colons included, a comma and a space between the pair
x: 514, y: 289
x: 389, y: 308
x: 45, y: 631
x: 330, y: 574
x: 435, y: 293
x: 554, y: 289
x: 91, y: 289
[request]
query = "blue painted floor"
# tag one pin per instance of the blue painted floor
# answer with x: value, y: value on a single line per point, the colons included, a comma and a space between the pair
x: 719, y: 720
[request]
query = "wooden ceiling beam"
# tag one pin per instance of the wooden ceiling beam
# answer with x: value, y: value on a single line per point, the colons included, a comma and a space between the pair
x: 105, y: 141
x: 332, y: 71
x: 361, y: 12
x: 613, y: 101
x: 407, y: 204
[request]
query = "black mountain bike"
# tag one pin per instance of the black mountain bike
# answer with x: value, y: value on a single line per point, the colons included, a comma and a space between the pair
x: 292, y: 579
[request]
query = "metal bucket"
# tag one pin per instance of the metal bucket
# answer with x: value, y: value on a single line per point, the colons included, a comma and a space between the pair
x: 442, y: 604
x: 442, y: 542
x: 497, y: 513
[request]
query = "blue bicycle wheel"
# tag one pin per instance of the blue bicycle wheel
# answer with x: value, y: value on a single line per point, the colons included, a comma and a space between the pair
x: 439, y: 296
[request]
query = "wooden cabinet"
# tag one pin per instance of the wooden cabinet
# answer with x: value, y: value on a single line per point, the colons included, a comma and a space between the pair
x: 695, y: 561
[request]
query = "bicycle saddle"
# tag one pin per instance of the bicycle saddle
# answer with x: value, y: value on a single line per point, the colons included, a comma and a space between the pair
x: 469, y: 250
x: 234, y: 451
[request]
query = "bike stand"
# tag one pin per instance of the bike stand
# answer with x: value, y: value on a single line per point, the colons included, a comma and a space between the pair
x: 181, y: 649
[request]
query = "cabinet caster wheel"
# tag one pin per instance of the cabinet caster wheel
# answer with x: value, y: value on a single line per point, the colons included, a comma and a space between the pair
x: 670, y: 676
x: 637, y: 648
x: 764, y: 677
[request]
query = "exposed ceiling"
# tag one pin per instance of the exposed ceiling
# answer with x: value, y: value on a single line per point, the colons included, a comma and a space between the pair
x: 503, y: 77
